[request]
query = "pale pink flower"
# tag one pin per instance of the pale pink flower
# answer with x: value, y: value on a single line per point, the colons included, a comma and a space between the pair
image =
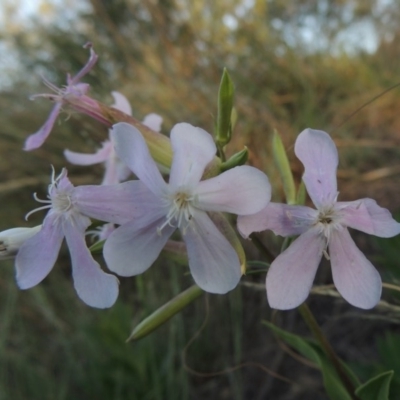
x: 115, y: 170
x: 73, y: 92
x: 291, y: 274
x: 183, y: 204
x: 69, y: 211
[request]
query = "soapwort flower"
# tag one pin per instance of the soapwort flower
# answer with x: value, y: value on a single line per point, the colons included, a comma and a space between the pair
x: 115, y: 170
x: 73, y: 92
x: 291, y: 274
x: 69, y: 211
x: 183, y: 204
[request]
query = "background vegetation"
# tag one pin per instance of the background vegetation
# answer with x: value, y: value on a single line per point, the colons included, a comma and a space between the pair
x: 295, y: 65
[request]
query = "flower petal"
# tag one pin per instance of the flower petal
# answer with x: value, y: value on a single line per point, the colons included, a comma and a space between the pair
x: 241, y: 190
x: 354, y: 276
x: 93, y: 285
x: 132, y: 149
x: 37, y: 139
x: 153, y: 121
x: 111, y: 173
x: 213, y: 261
x: 318, y: 153
x: 282, y: 219
x: 114, y: 203
x: 291, y: 275
x: 193, y: 149
x: 38, y: 254
x: 100, y: 156
x: 134, y: 246
x: 121, y: 103
x: 366, y: 216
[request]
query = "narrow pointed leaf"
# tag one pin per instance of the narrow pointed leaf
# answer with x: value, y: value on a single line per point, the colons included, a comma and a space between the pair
x: 236, y: 160
x: 282, y: 162
x: 164, y: 313
x: 377, y: 388
x: 225, y: 106
x: 97, y: 247
x: 310, y: 350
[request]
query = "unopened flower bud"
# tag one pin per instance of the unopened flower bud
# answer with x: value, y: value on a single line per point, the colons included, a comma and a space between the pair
x: 12, y: 239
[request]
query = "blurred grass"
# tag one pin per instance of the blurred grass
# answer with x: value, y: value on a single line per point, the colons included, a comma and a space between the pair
x: 167, y: 57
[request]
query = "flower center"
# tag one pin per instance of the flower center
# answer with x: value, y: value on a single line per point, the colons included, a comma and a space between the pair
x: 58, y: 199
x: 180, y: 210
x: 328, y: 220
x: 61, y: 202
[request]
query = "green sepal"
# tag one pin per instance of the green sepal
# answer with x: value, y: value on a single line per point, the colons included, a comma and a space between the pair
x: 164, y: 313
x: 312, y: 351
x: 377, y: 388
x: 282, y: 163
x: 237, y: 159
x: 224, y: 226
x: 225, y: 107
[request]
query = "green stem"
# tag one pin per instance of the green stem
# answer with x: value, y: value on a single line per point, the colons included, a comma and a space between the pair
x: 221, y: 153
x: 262, y: 248
x: 327, y: 348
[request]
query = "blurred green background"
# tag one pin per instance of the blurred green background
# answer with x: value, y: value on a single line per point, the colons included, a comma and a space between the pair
x: 295, y: 65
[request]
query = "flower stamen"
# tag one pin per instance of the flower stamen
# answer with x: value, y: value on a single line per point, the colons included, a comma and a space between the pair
x: 179, y: 214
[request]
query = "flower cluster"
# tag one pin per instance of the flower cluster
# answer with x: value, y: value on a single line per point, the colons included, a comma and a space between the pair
x: 141, y: 215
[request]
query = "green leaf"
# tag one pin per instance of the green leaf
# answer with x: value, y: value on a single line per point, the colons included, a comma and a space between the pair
x: 377, y: 388
x: 164, y: 313
x: 301, y: 194
x: 225, y: 110
x: 282, y: 162
x: 236, y: 160
x: 97, y: 247
x: 312, y: 351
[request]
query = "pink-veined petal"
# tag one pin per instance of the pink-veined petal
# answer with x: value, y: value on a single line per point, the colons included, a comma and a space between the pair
x: 291, y: 275
x: 114, y: 203
x: 367, y: 216
x: 282, y: 219
x: 121, y: 103
x: 95, y: 287
x: 37, y: 139
x: 241, y: 190
x: 133, y: 247
x: 37, y: 255
x: 100, y: 156
x: 193, y: 149
x: 354, y: 276
x: 63, y: 183
x: 153, y: 121
x: 86, y: 68
x: 213, y: 262
x: 132, y: 150
x: 318, y: 153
